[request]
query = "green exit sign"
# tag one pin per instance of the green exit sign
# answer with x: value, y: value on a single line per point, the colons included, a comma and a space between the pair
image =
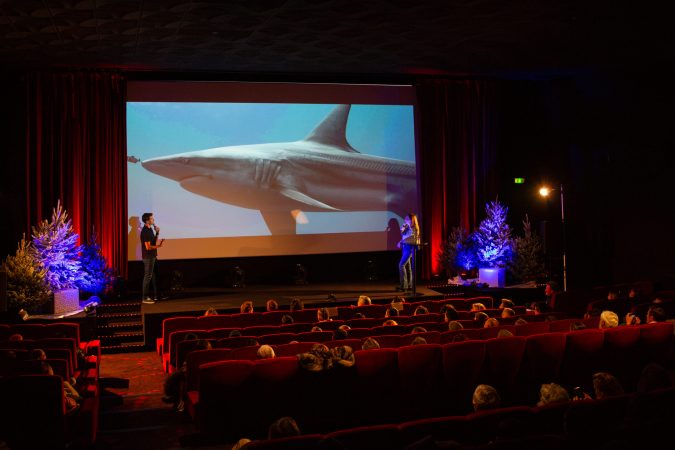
x: 519, y: 180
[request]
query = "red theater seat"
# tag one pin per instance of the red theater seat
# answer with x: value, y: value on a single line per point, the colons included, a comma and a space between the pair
x: 368, y: 438
x: 420, y: 369
x: 621, y: 353
x: 503, y: 358
x: 293, y: 349
x: 355, y: 344
x: 378, y: 380
x: 314, y: 336
x: 541, y: 363
x: 583, y: 357
x: 245, y: 353
x: 304, y: 442
x: 277, y: 339
x: 440, y: 428
x: 462, y: 365
x: 656, y: 342
x: 531, y: 328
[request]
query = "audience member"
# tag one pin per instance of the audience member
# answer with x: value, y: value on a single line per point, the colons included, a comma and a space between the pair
x: 504, y: 333
x: 286, y: 319
x: 460, y: 337
x: 477, y: 307
x: 506, y: 303
x: 656, y: 314
x: 480, y: 317
x: 550, y: 289
x: 485, y: 397
x: 234, y: 333
x: 593, y: 312
x: 606, y: 385
x: 391, y: 312
x: 266, y: 352
x: 608, y: 319
x: 450, y: 313
x: 272, y: 305
x: 322, y: 315
x: 521, y: 321
x: 296, y: 305
x: 455, y: 325
x: 246, y: 307
x: 507, y: 312
x: 577, y: 325
x: 364, y: 300
x: 38, y: 354
x: 344, y: 327
x: 370, y: 344
x: 418, y: 330
x: 343, y: 356
x: 389, y: 323
x: 340, y: 334
x: 359, y: 315
x: 419, y: 340
x: 491, y: 323
x: 552, y: 393
x: 16, y: 337
x: 540, y: 308
x: 210, y: 312
x: 284, y: 427
x: 316, y: 328
x: 72, y: 397
x: 421, y: 310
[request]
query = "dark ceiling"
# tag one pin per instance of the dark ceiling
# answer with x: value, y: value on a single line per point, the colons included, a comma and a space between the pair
x: 478, y: 37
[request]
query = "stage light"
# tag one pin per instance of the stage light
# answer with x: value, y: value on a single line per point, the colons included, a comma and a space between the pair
x: 544, y: 191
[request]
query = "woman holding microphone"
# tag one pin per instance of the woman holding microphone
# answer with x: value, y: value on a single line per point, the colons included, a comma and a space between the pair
x: 410, y: 239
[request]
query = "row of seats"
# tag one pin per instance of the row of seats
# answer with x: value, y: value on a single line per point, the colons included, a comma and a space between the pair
x: 306, y: 316
x: 52, y: 330
x: 581, y: 424
x: 415, y: 381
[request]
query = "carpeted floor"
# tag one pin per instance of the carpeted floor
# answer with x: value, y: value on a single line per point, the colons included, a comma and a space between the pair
x: 145, y: 380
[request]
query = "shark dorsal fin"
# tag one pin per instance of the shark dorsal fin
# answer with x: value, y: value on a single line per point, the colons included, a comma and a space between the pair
x: 333, y: 129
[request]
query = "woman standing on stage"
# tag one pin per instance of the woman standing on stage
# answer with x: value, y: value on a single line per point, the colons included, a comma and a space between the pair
x: 410, y: 239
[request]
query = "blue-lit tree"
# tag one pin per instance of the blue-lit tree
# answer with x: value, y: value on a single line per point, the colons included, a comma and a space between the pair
x: 55, y: 247
x: 492, y: 239
x: 457, y: 253
x: 95, y: 273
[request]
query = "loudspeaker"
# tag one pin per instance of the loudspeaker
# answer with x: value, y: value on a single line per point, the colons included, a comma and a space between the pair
x: 3, y: 289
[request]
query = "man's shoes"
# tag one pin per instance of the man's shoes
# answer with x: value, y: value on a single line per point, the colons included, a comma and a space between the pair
x: 148, y: 300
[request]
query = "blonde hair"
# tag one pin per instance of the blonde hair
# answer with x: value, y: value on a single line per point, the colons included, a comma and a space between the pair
x: 266, y: 352
x: 454, y: 325
x: 552, y: 393
x: 414, y: 223
x: 491, y: 323
x: 608, y: 319
x: 477, y: 307
x: 363, y: 301
x: 370, y: 344
x: 390, y: 322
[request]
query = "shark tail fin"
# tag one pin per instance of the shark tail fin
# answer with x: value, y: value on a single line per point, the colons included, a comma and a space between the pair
x: 333, y: 129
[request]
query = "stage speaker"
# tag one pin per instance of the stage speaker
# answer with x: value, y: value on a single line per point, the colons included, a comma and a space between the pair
x: 3, y: 289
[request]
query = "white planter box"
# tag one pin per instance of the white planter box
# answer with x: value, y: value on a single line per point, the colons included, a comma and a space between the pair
x: 66, y: 300
x: 493, y: 277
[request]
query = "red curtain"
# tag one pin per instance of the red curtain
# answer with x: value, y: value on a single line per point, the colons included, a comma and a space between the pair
x: 76, y: 153
x: 457, y: 157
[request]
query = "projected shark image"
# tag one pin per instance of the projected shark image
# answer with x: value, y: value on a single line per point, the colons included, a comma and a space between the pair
x: 320, y: 173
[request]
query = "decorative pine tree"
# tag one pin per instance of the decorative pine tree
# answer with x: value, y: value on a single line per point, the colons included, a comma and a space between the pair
x: 95, y: 273
x: 528, y: 263
x: 456, y: 253
x: 26, y: 279
x: 492, y: 239
x: 55, y: 247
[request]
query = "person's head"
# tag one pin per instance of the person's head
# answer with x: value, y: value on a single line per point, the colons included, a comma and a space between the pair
x: 656, y: 314
x: 272, y: 305
x: 477, y: 307
x: 606, y: 385
x: 577, y: 325
x: 322, y: 314
x: 634, y: 292
x: 411, y: 220
x: 311, y: 362
x: 613, y: 294
x: 46, y: 368
x: 608, y: 319
x: 552, y: 393
x: 419, y: 340
x: 359, y: 316
x: 297, y: 305
x: 339, y: 335
x: 389, y: 323
x: 251, y: 342
x: 265, y: 352
x: 344, y: 327
x: 653, y: 377
x: 551, y: 288
x: 363, y: 300
x: 421, y: 310
x: 210, y: 312
x: 343, y: 356
x: 315, y: 328
x: 148, y: 219
x: 391, y: 312
x: 485, y: 397
x: 506, y: 303
x: 246, y: 307
x: 235, y: 333
x: 491, y: 323
x: 398, y: 299
x: 504, y: 333
x: 202, y: 344
x: 284, y: 427
x: 460, y: 337
x: 455, y: 325
x: 190, y: 337
x: 480, y: 317
x: 418, y: 330
x: 286, y: 319
x: 540, y: 308
x: 16, y: 337
x: 451, y: 314
x: 521, y: 321
x: 370, y: 344
x: 507, y: 312
x: 38, y: 353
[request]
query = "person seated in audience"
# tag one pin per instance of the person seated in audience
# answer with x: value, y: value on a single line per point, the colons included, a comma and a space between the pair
x: 284, y: 427
x: 485, y: 397
x: 241, y: 444
x: 418, y: 330
x: 297, y: 305
x: 286, y: 319
x: 174, y: 384
x: 7, y: 354
x: 504, y: 333
x: 421, y: 310
x: 317, y: 359
x: 491, y: 323
x: 38, y: 354
x: 656, y: 314
x: 540, y: 308
x: 577, y: 325
x: 507, y: 312
x: 246, y: 307
x: 343, y: 356
x: 521, y: 321
x: 477, y: 307
x: 251, y: 342
x: 654, y: 377
x: 190, y: 337
x: 608, y: 319
x: 340, y: 334
x: 450, y: 314
x: 272, y: 305
x: 370, y: 344
x: 316, y: 328
x: 210, y: 312
x: 551, y: 288
x: 322, y: 315
x: 344, y: 327
x: 234, y: 333
x: 419, y: 340
x: 552, y: 393
x: 460, y: 337
x: 391, y: 312
x: 364, y: 300
x: 398, y: 299
x: 359, y: 315
x: 480, y: 317
x: 266, y: 352
x: 455, y: 325
x: 16, y: 337
x: 73, y: 398
x: 389, y: 323
x: 606, y: 385
x: 506, y: 303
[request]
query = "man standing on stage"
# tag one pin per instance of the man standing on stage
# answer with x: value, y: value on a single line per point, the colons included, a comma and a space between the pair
x: 149, y: 248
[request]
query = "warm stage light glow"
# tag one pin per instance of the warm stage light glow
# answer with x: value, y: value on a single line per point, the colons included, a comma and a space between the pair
x: 544, y: 191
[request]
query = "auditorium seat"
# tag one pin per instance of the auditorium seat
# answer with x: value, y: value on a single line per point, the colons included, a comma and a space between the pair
x: 378, y: 381
x: 198, y: 358
x: 432, y: 337
x: 531, y: 328
x: 440, y: 428
x: 293, y: 349
x: 388, y: 340
x: 484, y: 426
x: 249, y: 353
x: 277, y: 339
x: 314, y: 336
x: 492, y: 332
x: 303, y: 442
x: 420, y: 368
x: 462, y: 366
x: 583, y: 356
x: 503, y: 359
x: 234, y: 342
x: 622, y: 355
x: 355, y: 344
x: 541, y: 363
x: 656, y: 342
x: 368, y: 438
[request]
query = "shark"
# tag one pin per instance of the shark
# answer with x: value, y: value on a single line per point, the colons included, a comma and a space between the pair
x: 321, y: 172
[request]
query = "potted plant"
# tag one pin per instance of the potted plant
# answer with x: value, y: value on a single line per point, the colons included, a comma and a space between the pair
x: 493, y: 246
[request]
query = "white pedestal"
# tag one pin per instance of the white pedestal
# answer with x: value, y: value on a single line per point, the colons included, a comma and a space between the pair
x: 493, y: 277
x: 66, y: 300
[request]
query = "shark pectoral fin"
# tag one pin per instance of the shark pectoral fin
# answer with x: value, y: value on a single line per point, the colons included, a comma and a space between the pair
x: 304, y: 198
x: 279, y: 222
